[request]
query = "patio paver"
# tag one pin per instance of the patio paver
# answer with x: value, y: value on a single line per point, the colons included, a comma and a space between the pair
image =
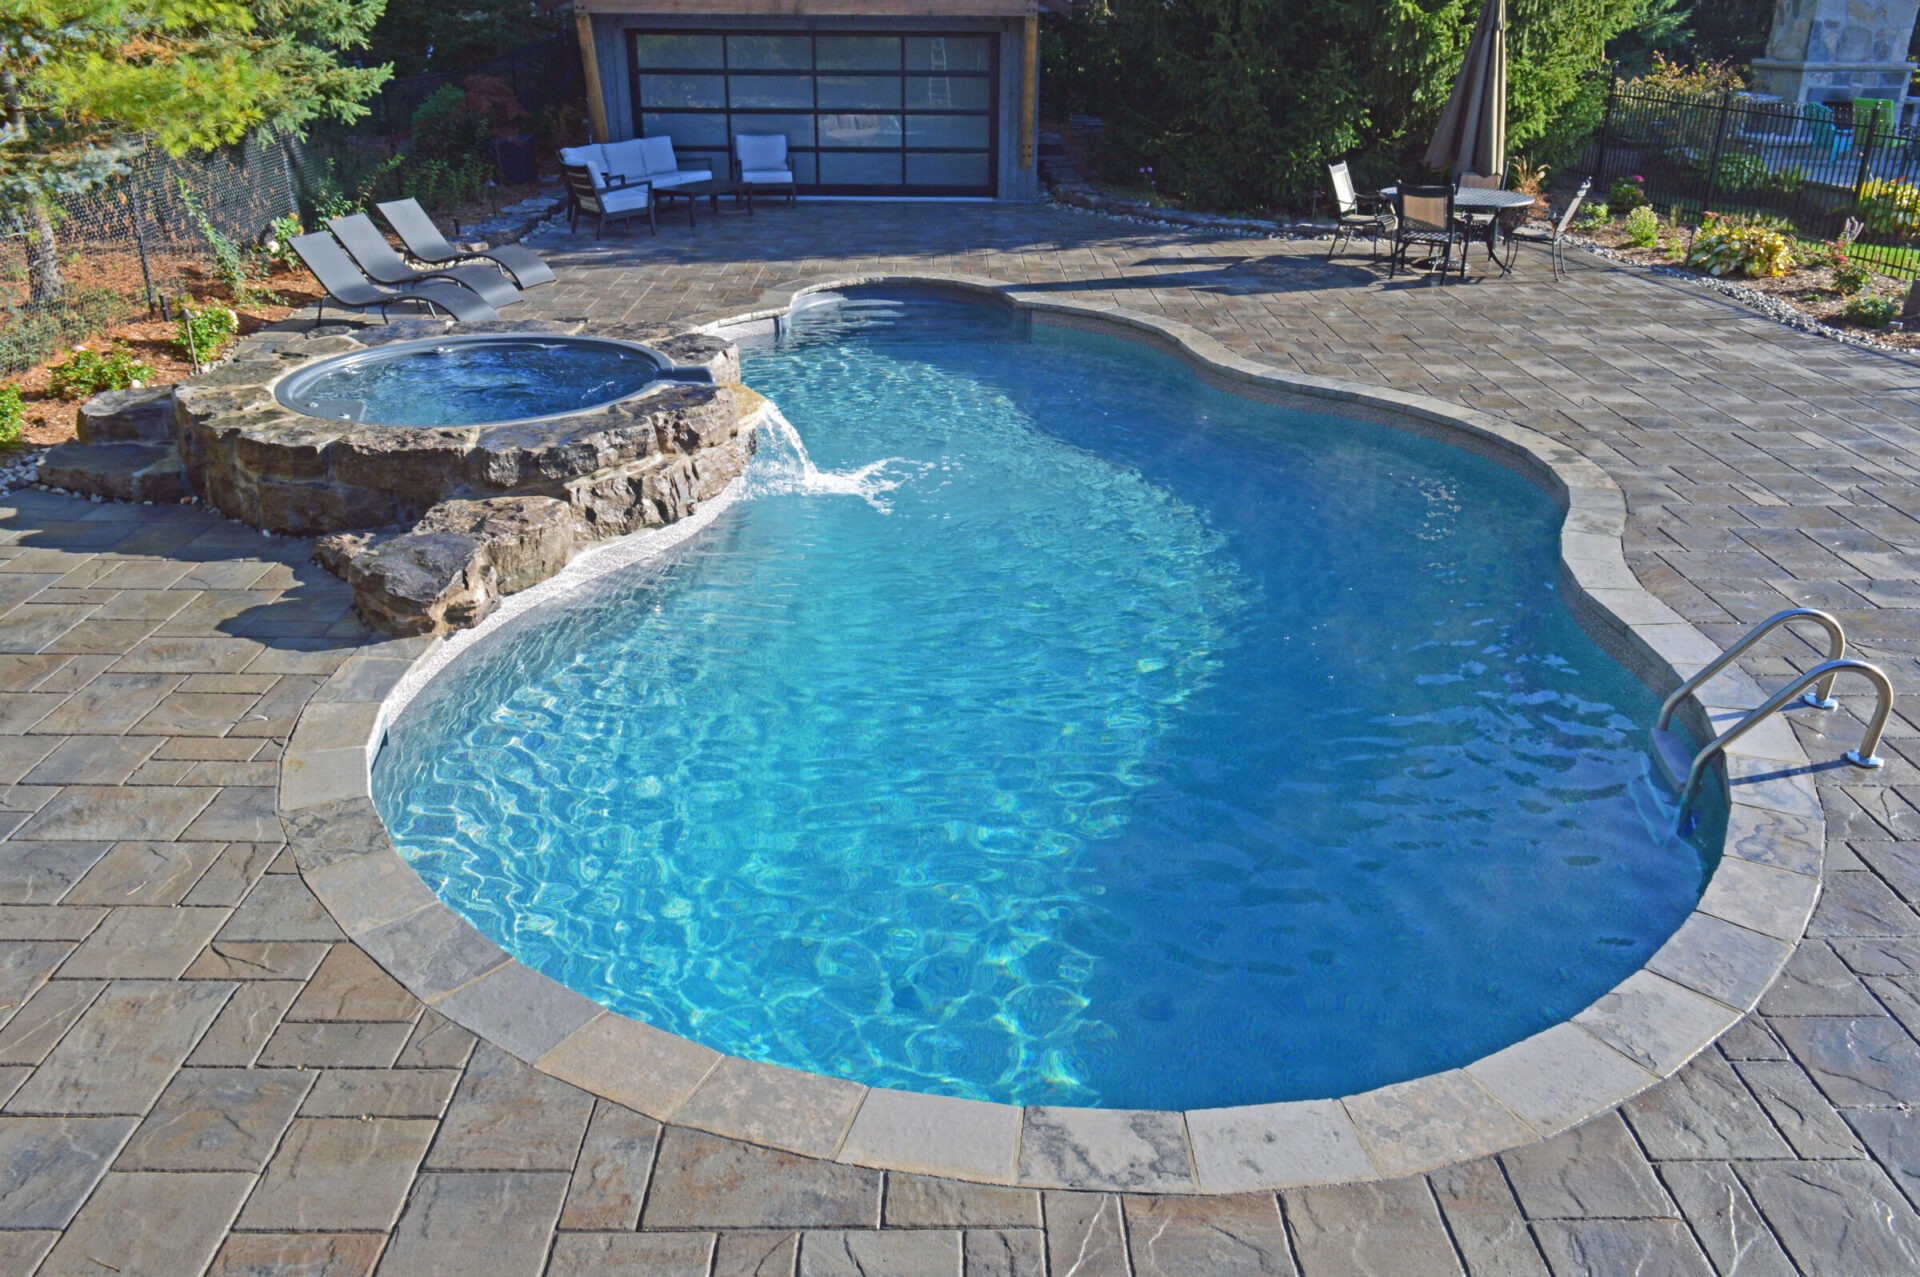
x: 188, y: 1041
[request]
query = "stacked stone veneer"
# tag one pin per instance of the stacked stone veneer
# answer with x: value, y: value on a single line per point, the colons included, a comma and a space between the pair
x: 430, y: 525
x: 1838, y: 50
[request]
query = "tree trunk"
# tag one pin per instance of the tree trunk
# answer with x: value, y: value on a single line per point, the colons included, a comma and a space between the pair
x: 45, y: 284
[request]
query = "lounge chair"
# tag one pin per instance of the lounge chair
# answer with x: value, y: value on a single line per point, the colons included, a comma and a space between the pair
x: 1356, y: 217
x: 363, y: 240
x: 1425, y: 218
x: 608, y: 199
x: 760, y: 160
x: 426, y: 244
x: 349, y: 288
x: 1554, y: 236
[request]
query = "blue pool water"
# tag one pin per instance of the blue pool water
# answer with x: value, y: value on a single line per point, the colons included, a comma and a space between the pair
x: 1078, y: 735
x: 473, y: 382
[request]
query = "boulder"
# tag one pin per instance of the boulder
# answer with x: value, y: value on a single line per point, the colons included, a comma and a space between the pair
x: 451, y: 569
x: 128, y: 416
x: 120, y: 471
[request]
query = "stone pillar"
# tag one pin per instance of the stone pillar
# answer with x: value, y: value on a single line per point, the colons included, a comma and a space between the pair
x: 1838, y: 50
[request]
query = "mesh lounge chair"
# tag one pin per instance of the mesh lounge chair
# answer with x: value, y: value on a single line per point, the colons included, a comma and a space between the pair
x: 349, y: 288
x: 1554, y: 236
x: 1425, y: 218
x: 1479, y: 225
x: 609, y: 199
x: 1356, y: 217
x: 364, y: 242
x: 760, y: 159
x: 426, y: 244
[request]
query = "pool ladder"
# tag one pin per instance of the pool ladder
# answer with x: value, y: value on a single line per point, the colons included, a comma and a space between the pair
x: 1683, y: 767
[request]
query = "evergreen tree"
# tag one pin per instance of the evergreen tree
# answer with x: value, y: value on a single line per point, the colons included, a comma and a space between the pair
x: 85, y: 85
x: 1241, y: 103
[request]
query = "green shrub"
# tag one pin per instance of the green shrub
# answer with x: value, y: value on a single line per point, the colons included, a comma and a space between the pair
x: 1849, y: 275
x: 1889, y: 206
x: 1741, y: 173
x: 439, y: 185
x: 201, y: 334
x: 13, y: 418
x: 31, y: 334
x: 447, y: 129
x: 1593, y: 214
x: 1643, y: 226
x: 281, y: 233
x: 1871, y: 311
x: 1756, y: 247
x: 86, y: 373
x: 1627, y: 194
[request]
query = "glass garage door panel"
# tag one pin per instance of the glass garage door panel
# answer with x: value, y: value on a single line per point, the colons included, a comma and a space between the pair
x: 862, y: 113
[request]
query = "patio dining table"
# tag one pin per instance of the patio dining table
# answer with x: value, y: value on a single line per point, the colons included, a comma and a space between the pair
x: 1475, y: 201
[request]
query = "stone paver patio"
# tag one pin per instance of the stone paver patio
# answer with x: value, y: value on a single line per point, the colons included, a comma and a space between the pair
x: 197, y: 1072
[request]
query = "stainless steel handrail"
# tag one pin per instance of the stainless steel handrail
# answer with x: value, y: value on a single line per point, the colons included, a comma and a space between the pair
x: 1820, y: 698
x: 1866, y: 756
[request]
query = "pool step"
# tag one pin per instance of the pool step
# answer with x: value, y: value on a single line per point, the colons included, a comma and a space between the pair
x: 118, y: 471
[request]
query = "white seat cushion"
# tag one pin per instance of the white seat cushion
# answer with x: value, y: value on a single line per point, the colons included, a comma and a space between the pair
x: 761, y: 152
x: 627, y: 159
x: 657, y: 154
x: 681, y: 177
x: 622, y: 199
x: 767, y: 177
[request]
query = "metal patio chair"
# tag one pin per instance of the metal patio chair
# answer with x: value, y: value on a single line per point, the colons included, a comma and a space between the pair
x: 1358, y: 215
x: 348, y: 287
x: 1424, y: 217
x: 426, y: 244
x: 1553, y: 236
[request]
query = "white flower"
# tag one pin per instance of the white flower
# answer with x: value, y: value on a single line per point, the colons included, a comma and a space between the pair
x: 136, y: 384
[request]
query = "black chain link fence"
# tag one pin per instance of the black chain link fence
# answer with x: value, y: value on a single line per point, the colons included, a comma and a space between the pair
x: 1814, y: 167
x: 131, y: 246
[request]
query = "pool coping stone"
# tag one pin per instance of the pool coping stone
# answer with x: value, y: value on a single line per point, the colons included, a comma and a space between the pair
x: 1638, y: 1033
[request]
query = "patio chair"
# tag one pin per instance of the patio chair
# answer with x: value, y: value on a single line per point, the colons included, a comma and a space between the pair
x: 349, y: 288
x: 426, y: 244
x: 760, y: 159
x: 1553, y: 235
x: 1424, y: 217
x: 367, y: 246
x: 1827, y: 136
x: 608, y: 199
x: 1358, y: 216
x: 1479, y: 225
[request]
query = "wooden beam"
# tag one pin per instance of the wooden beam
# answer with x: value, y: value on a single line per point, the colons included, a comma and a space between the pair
x: 590, y: 62
x: 1029, y: 91
x: 814, y: 8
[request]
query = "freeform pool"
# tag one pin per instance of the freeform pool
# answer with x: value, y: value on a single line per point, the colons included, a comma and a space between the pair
x: 1084, y: 736
x: 473, y: 380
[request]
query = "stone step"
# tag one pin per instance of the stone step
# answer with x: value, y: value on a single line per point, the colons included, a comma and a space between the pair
x: 121, y: 471
x: 128, y: 416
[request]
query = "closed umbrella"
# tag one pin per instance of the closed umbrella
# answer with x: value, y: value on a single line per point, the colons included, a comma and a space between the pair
x: 1472, y: 137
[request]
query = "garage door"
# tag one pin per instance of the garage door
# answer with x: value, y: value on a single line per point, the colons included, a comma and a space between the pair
x: 866, y: 114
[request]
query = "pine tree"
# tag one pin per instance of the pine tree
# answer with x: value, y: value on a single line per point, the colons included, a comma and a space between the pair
x: 86, y: 85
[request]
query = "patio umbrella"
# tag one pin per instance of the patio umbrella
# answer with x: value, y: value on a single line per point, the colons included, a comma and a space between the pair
x: 1472, y: 137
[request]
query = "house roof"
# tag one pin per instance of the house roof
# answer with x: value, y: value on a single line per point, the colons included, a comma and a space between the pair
x: 826, y: 8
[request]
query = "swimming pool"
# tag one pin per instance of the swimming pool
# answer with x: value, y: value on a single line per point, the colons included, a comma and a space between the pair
x: 1082, y: 735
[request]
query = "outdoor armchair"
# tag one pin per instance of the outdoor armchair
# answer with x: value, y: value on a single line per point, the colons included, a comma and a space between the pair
x: 760, y: 159
x: 1827, y: 135
x: 1424, y: 217
x: 1553, y: 235
x: 607, y: 199
x: 1357, y: 216
x: 367, y: 246
x: 426, y: 244
x: 350, y: 289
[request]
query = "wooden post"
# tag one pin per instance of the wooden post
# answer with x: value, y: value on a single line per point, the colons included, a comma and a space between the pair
x: 590, y: 62
x: 1029, y: 91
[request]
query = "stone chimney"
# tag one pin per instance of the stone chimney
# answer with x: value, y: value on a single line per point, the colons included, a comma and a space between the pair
x: 1838, y: 50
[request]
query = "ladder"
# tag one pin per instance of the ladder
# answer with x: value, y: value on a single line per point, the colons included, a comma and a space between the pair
x: 1683, y: 766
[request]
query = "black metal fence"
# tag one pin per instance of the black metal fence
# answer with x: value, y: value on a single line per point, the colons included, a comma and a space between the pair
x: 545, y: 76
x: 1815, y: 167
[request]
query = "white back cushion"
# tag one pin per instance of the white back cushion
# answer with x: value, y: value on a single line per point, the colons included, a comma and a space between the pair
x: 589, y: 154
x: 658, y: 152
x: 628, y: 159
x: 761, y: 151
